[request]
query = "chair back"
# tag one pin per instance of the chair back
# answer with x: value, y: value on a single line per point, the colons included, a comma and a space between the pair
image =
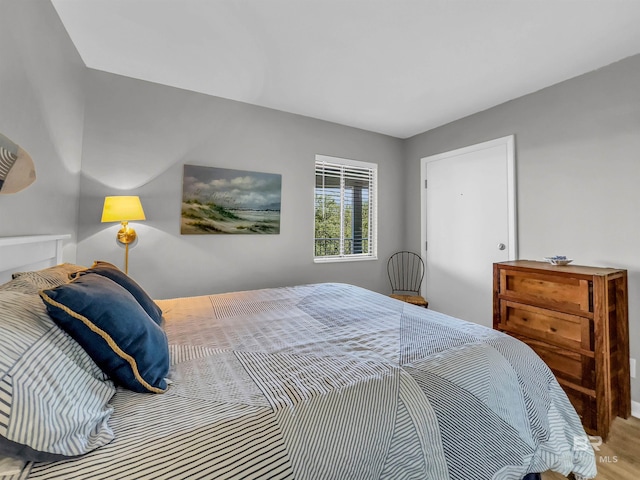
x: 406, y: 271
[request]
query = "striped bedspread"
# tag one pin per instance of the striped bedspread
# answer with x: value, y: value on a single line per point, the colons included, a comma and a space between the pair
x: 331, y: 381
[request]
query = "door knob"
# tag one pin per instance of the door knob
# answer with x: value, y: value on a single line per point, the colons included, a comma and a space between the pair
x: 501, y: 246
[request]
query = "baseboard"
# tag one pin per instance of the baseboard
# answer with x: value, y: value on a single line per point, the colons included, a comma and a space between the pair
x: 635, y: 409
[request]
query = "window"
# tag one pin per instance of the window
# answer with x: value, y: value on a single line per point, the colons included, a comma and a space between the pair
x: 345, y: 209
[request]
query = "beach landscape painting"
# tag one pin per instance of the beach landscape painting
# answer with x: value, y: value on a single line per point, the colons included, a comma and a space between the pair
x: 225, y: 201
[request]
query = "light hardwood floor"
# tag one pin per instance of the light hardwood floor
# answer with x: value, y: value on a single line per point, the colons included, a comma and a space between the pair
x: 619, y: 457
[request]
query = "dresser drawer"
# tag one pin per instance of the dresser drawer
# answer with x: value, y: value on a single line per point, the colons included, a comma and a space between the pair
x: 552, y: 327
x: 571, y: 366
x: 562, y: 293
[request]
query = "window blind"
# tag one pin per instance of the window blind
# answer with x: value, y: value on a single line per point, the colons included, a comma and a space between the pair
x: 345, y: 209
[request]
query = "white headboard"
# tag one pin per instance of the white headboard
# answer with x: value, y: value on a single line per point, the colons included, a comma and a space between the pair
x: 31, y: 252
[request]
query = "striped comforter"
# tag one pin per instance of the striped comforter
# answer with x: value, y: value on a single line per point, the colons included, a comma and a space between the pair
x: 331, y: 381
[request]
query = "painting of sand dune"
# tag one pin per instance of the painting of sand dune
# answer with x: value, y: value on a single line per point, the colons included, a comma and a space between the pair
x: 225, y: 201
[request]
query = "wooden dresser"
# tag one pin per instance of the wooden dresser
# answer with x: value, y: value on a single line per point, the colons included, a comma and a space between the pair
x: 576, y: 319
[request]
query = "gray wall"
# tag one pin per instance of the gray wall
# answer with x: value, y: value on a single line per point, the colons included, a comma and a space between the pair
x: 138, y: 135
x: 41, y: 109
x: 577, y: 147
x: 578, y: 172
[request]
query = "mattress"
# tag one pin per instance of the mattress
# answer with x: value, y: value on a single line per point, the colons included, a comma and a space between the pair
x: 331, y: 381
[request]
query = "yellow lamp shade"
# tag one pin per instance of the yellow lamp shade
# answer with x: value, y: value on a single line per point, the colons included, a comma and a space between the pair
x: 122, y: 209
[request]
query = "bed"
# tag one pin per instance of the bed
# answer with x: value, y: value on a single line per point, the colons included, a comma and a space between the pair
x: 322, y: 381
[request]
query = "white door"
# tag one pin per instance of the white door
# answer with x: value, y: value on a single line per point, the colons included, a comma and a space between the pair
x: 468, y: 223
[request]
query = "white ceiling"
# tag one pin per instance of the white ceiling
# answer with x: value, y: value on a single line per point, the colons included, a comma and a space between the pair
x: 398, y: 67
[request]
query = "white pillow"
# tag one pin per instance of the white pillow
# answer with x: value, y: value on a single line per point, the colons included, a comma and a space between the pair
x: 54, y: 397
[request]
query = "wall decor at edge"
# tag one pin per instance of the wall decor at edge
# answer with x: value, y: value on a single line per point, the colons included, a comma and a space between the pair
x: 226, y: 201
x: 17, y: 170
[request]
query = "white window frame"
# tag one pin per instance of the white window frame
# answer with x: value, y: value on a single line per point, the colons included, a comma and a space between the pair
x: 372, y: 168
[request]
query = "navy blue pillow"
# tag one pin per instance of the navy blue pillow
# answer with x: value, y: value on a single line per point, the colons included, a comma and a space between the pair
x: 108, y: 322
x: 114, y: 273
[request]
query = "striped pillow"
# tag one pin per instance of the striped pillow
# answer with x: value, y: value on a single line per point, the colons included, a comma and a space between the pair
x: 48, y: 277
x: 53, y: 397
